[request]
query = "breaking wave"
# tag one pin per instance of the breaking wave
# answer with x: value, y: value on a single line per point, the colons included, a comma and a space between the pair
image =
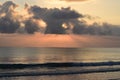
x: 60, y: 71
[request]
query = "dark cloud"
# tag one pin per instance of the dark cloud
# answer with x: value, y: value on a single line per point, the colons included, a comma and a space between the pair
x: 54, y: 17
x: 97, y: 29
x: 79, y: 27
x: 8, y: 7
x: 66, y: 13
x: 31, y: 26
x: 8, y: 24
x: 91, y: 17
x: 58, y: 21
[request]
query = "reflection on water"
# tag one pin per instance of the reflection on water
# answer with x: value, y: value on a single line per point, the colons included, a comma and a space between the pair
x: 47, y: 55
x: 43, y: 55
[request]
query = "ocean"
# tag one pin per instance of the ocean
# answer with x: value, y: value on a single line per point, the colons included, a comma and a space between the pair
x: 59, y: 63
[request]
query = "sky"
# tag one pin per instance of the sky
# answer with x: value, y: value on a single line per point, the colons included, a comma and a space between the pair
x: 95, y: 17
x: 106, y: 10
x: 21, y: 20
x: 65, y: 41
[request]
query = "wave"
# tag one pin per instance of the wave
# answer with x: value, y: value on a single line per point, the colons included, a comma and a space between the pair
x: 73, y: 65
x: 68, y: 64
x: 62, y: 72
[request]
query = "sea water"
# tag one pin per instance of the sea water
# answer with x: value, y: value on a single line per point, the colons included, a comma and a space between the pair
x: 9, y: 55
x: 46, y: 55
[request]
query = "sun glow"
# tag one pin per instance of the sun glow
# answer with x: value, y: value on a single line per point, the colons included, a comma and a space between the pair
x: 41, y: 23
x: 64, y: 26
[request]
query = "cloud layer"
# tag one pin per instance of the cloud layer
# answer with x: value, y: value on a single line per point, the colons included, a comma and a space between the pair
x: 74, y: 0
x: 50, y: 21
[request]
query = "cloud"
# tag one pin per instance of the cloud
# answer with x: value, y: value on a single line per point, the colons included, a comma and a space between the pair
x: 54, y: 18
x: 96, y: 29
x: 66, y: 13
x: 8, y: 22
x: 31, y: 26
x: 91, y: 17
x: 74, y: 0
x: 50, y: 21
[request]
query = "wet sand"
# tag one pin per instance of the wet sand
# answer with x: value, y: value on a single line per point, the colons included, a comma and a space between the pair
x: 93, y: 76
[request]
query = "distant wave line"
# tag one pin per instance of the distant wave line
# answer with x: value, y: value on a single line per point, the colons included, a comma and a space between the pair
x: 68, y: 64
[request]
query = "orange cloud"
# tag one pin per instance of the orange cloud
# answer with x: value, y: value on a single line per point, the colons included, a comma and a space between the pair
x: 73, y: 0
